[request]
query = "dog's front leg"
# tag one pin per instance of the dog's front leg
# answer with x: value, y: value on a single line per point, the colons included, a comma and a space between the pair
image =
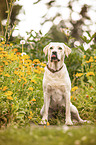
x: 68, y: 113
x: 46, y: 108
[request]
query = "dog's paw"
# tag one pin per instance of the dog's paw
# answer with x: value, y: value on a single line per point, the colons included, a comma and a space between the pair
x: 43, y: 122
x: 68, y: 123
x: 84, y: 121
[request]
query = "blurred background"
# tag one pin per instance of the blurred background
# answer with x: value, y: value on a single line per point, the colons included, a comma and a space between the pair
x: 38, y: 22
x: 50, y: 16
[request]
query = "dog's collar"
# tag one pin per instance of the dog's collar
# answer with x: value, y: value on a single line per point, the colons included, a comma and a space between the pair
x: 53, y: 71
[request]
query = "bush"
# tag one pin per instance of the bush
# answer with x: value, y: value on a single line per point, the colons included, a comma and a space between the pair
x: 20, y: 86
x: 84, y: 83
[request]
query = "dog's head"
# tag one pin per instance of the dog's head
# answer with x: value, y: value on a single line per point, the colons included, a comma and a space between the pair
x: 56, y: 51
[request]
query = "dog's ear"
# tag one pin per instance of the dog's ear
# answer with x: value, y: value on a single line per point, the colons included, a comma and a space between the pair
x: 45, y: 50
x: 67, y: 50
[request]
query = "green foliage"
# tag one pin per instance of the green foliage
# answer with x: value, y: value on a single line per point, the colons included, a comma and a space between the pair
x: 37, y: 42
x: 85, y: 79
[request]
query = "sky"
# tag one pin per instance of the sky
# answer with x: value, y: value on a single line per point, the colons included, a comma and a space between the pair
x: 31, y: 15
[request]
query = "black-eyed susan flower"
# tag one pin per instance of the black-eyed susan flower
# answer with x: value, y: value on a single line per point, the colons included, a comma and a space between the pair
x: 79, y: 74
x: 30, y: 88
x: 8, y: 93
x: 42, y: 64
x: 5, y: 88
x: 30, y: 117
x: 7, y: 75
x: 12, y: 81
x: 33, y: 100
x: 36, y: 61
x: 37, y: 71
x: 90, y: 74
x: 91, y: 59
x: 9, y: 98
x: 74, y: 88
x: 33, y: 81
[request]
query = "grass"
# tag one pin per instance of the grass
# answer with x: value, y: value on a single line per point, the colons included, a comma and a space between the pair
x: 53, y: 135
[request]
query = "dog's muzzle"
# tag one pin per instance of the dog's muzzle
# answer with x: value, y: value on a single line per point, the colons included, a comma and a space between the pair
x: 54, y: 57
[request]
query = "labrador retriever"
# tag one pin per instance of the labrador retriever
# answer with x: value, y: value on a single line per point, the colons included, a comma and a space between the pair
x: 57, y: 84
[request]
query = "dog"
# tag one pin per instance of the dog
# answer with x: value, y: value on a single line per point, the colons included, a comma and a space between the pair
x: 57, y: 84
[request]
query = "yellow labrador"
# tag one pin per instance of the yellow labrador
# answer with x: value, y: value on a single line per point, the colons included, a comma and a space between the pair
x: 56, y: 82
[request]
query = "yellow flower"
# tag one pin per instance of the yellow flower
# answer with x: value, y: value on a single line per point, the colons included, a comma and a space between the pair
x: 5, y: 88
x: 11, y: 44
x: 31, y: 113
x: 25, y: 57
x: 24, y: 83
x: 24, y: 79
x: 44, y: 126
x: 74, y: 88
x: 6, y: 63
x: 7, y: 75
x: 8, y: 93
x: 70, y: 97
x: 36, y: 61
x: 48, y: 124
x: 33, y: 100
x: 28, y: 72
x: 42, y: 69
x: 33, y: 81
x: 10, y: 98
x: 1, y: 69
x: 30, y: 88
x: 84, y: 56
x: 30, y: 117
x: 12, y: 81
x: 87, y: 61
x: 15, y: 49
x: 16, y: 72
x: 43, y: 64
x: 19, y: 80
x: 91, y: 59
x: 1, y: 49
x: 79, y: 74
x: 20, y: 66
x: 21, y: 73
x: 90, y: 74
x: 1, y: 56
x: 94, y: 57
x: 3, y: 42
x: 37, y: 71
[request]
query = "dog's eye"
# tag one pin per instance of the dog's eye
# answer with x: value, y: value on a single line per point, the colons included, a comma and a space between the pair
x: 60, y: 48
x: 51, y: 47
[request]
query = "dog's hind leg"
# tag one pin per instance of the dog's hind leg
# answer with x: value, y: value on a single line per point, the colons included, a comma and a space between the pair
x: 75, y: 113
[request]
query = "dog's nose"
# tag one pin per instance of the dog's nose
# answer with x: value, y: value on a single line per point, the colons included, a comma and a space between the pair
x: 54, y: 53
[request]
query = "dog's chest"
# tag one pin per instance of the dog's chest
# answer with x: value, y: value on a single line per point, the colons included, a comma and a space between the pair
x: 56, y: 92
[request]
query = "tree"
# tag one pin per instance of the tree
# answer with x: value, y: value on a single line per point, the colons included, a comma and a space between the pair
x: 76, y: 25
x: 4, y: 10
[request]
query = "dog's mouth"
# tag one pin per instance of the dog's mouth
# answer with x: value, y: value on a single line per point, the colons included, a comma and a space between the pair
x: 54, y: 58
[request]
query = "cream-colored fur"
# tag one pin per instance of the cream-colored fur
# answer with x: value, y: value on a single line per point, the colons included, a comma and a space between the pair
x: 57, y: 86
